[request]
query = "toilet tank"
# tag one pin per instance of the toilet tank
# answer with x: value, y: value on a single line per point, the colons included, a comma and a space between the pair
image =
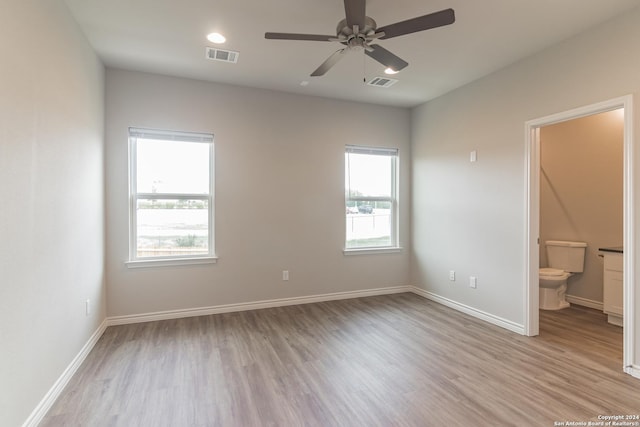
x: 567, y: 256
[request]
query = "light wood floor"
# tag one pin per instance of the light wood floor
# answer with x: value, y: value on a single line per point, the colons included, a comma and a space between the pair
x: 397, y: 360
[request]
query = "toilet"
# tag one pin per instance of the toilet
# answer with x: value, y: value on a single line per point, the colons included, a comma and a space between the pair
x: 565, y: 259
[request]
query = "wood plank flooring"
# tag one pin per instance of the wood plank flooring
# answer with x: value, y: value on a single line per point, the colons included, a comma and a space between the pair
x: 397, y: 360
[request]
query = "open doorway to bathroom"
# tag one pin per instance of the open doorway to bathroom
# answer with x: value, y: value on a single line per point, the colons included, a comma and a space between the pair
x: 561, y: 180
x: 581, y: 188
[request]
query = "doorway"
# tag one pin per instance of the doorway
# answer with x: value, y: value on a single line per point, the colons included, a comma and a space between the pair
x: 532, y: 245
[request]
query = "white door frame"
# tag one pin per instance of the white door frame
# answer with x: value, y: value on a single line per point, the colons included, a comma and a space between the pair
x: 532, y: 262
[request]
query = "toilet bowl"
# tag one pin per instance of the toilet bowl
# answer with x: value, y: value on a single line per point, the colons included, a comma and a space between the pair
x: 565, y: 258
x: 553, y: 288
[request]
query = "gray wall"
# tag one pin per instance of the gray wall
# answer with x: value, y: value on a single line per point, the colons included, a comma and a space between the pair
x: 581, y: 192
x: 52, y: 192
x: 279, y: 196
x: 471, y: 217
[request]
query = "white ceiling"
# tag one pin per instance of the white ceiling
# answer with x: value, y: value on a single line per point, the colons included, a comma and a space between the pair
x: 169, y: 37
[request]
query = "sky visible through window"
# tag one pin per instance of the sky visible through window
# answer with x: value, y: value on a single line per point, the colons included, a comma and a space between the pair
x: 172, y: 167
x: 368, y: 175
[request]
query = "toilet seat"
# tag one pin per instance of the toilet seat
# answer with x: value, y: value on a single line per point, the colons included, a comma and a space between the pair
x: 551, y: 272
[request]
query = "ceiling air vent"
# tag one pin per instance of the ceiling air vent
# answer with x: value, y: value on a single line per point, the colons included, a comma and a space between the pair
x: 382, y: 82
x: 222, y: 55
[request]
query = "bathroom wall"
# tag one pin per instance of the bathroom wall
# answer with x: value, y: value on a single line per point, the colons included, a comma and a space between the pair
x: 581, y: 192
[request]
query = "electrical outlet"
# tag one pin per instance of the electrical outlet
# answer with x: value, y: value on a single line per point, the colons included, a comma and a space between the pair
x: 285, y: 275
x: 87, y: 307
x: 452, y: 275
x: 473, y: 282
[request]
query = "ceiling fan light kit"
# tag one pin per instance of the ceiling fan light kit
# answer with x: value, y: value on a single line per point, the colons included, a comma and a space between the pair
x: 357, y: 32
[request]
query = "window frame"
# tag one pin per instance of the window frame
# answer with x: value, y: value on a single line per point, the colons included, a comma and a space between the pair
x: 134, y: 260
x: 394, y: 154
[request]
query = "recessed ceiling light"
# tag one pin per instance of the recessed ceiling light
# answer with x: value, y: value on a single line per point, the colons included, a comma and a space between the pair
x: 304, y: 83
x: 390, y: 71
x: 216, y: 38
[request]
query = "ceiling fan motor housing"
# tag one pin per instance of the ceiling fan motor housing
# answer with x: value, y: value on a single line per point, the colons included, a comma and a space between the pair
x: 357, y: 40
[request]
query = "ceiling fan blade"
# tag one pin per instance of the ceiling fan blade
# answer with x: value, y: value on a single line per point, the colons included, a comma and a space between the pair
x: 385, y: 57
x: 355, y: 11
x: 421, y: 23
x: 330, y: 62
x: 292, y: 36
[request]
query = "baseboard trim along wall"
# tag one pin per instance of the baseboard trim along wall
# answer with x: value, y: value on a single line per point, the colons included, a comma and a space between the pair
x: 585, y: 302
x: 633, y: 370
x: 40, y: 411
x: 490, y: 318
x: 52, y: 395
x: 257, y: 305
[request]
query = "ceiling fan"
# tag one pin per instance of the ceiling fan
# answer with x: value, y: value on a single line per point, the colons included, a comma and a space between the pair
x: 357, y: 31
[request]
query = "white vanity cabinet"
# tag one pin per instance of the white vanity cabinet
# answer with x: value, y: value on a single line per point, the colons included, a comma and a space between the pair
x: 613, y: 290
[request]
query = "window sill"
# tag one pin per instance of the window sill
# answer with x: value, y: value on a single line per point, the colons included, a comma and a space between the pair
x: 146, y: 263
x: 372, y: 251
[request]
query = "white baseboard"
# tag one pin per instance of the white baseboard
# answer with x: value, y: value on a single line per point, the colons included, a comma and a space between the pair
x: 257, y: 305
x: 633, y: 370
x: 40, y: 411
x: 487, y: 317
x: 49, y: 399
x: 585, y: 302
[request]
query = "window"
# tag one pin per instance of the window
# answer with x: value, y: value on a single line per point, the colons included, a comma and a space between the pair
x: 171, y: 196
x: 370, y: 198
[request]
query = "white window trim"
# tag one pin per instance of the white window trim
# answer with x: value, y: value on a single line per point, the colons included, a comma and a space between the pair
x: 168, y: 262
x: 134, y: 196
x: 372, y: 250
x: 395, y: 242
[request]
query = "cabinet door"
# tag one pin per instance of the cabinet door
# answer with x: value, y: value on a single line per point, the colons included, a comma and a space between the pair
x: 613, y: 292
